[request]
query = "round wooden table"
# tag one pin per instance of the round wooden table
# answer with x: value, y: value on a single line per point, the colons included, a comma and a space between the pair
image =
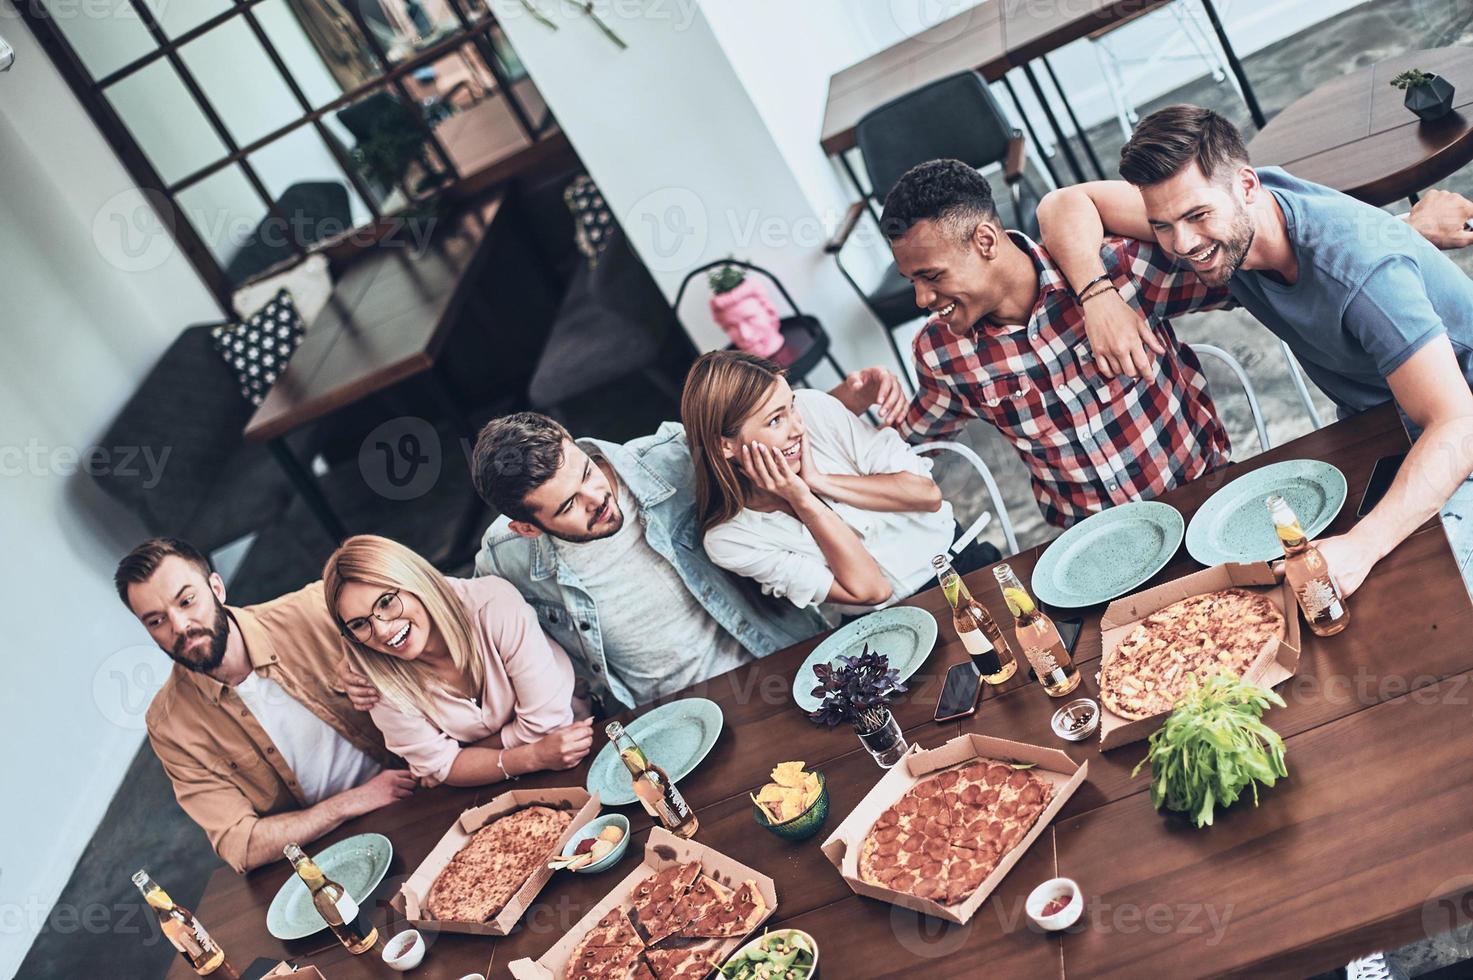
x: 1354, y: 134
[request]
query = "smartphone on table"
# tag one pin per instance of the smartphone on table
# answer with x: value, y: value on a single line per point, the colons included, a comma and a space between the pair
x: 960, y: 693
x: 1382, y: 474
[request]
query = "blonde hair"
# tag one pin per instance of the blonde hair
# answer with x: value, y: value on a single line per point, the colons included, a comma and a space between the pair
x: 372, y: 560
x: 722, y: 390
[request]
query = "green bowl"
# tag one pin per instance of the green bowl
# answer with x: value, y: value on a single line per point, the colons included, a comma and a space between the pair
x: 805, y: 824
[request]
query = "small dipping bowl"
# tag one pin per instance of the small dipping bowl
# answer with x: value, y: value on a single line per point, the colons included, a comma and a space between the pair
x: 592, y: 829
x: 401, y: 956
x: 1046, y: 893
x: 474, y: 976
x: 1077, y: 720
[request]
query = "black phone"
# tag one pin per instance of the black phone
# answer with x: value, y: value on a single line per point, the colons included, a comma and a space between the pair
x: 1381, y: 476
x: 960, y: 692
x: 259, y: 968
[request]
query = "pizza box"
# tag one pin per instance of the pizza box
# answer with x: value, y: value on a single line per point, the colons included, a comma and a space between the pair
x: 1122, y: 615
x: 662, y: 850
x: 843, y: 845
x: 411, y: 896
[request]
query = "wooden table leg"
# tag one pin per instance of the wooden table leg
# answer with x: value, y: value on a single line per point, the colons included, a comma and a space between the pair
x: 307, y: 486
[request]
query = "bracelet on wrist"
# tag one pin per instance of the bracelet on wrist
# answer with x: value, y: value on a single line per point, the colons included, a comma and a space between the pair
x: 1109, y: 288
x: 501, y: 764
x: 1082, y: 293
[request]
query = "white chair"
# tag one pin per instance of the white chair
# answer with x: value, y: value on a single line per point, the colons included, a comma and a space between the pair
x: 1296, y: 374
x: 1218, y: 353
x: 1113, y: 59
x: 970, y: 534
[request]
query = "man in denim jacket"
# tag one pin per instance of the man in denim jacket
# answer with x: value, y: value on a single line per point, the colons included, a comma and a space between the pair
x: 602, y: 539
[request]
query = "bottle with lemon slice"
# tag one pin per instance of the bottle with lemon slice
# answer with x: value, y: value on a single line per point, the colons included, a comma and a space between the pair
x: 1324, y: 607
x: 975, y: 627
x: 1038, y: 636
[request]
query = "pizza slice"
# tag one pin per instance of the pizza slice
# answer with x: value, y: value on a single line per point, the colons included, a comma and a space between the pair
x: 659, y: 900
x: 734, y: 918
x: 604, y: 962
x: 688, y: 963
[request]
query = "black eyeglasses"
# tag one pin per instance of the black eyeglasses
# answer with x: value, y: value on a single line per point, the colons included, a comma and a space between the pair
x: 386, y: 608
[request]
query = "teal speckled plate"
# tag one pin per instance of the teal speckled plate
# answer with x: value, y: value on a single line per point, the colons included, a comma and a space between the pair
x: 1108, y: 554
x: 904, y: 634
x: 358, y: 864
x: 1233, y: 525
x: 674, y: 736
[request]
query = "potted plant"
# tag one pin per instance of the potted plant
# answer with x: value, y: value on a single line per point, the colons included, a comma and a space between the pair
x: 742, y: 308
x: 1429, y: 96
x: 858, y: 691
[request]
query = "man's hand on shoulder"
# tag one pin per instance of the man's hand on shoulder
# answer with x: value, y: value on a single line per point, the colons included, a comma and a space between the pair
x: 1119, y: 337
x: 873, y: 386
x: 362, y: 695
x: 1442, y: 218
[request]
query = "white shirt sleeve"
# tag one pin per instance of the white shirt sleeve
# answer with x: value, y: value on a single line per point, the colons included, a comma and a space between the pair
x: 869, y: 450
x: 779, y: 571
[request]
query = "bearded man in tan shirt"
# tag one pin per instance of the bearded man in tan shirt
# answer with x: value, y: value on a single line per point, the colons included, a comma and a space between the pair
x: 260, y: 746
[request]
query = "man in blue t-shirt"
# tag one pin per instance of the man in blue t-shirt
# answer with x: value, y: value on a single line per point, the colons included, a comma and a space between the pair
x: 1365, y: 300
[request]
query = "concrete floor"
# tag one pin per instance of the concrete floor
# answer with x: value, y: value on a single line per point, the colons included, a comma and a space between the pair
x: 145, y: 828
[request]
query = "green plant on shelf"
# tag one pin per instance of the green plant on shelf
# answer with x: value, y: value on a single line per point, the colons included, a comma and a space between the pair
x: 1412, y: 78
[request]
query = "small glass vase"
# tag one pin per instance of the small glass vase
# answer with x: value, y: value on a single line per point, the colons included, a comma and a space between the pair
x: 883, y: 740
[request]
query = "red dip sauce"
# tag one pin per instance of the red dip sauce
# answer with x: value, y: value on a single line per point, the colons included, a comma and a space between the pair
x: 402, y: 947
x: 1055, y: 905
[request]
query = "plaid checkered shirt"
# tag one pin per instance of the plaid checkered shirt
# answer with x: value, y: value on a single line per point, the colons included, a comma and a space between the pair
x: 1089, y: 441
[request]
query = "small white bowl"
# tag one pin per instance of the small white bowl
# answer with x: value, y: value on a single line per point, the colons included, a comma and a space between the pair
x: 1047, y: 892
x: 474, y: 976
x: 409, y: 958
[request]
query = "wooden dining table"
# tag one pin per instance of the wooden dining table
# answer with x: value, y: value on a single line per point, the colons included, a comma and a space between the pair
x: 1359, y: 849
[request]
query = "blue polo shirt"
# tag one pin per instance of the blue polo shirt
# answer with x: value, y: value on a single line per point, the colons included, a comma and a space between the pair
x: 1371, y: 293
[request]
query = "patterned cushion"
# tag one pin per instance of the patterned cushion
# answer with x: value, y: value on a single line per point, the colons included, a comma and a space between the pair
x: 259, y: 347
x: 592, y: 221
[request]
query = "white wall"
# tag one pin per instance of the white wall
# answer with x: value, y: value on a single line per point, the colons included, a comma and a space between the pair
x: 83, y: 322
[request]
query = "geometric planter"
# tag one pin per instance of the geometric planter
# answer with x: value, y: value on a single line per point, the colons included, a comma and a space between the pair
x: 1432, y: 100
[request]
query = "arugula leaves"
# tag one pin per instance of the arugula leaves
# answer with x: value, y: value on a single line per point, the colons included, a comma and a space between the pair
x: 1214, y: 745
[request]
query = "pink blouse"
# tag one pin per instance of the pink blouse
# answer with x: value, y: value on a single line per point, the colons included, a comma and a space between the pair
x: 528, y: 689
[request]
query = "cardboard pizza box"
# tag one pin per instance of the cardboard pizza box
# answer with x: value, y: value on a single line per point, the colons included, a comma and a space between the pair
x: 843, y: 845
x: 662, y: 850
x: 409, y: 902
x: 1122, y: 615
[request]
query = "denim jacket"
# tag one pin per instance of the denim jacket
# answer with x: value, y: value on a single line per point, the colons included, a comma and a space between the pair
x: 658, y: 472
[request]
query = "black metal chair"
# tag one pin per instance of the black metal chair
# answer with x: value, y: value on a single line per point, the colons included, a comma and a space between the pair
x: 805, y: 342
x: 952, y: 118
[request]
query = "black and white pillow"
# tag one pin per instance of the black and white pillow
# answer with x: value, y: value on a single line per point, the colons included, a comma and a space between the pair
x: 592, y: 221
x: 258, y: 347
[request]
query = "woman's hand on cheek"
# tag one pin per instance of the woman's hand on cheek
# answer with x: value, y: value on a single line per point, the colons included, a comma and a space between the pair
x: 770, y: 472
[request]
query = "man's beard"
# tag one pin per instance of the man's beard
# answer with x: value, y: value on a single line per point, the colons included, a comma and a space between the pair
x: 215, y: 654
x: 1234, y: 251
x: 614, y: 527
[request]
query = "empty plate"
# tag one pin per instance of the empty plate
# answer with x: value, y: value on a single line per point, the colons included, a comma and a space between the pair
x: 674, y: 736
x: 1107, y: 554
x: 1234, y: 526
x: 904, y: 634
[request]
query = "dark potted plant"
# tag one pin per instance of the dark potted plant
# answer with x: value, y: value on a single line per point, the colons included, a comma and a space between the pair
x: 858, y: 691
x: 1429, y: 96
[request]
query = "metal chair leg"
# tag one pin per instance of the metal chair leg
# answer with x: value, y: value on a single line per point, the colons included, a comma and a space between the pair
x: 899, y: 359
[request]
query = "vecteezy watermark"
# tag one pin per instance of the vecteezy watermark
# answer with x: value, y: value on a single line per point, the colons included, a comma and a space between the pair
x: 63, y: 10
x: 124, y: 684
x: 677, y: 15
x: 35, y: 458
x: 939, y: 21
x: 134, y: 229
x: 1447, y: 915
x: 95, y: 918
x: 674, y: 222
x: 401, y: 458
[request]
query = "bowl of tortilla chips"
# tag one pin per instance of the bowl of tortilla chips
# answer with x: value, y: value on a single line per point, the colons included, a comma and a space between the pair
x: 794, y: 805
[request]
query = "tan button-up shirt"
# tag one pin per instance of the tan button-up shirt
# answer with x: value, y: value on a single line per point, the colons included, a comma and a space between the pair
x: 227, y: 774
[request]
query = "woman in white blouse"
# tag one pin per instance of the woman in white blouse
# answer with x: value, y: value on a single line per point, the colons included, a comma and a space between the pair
x: 795, y: 492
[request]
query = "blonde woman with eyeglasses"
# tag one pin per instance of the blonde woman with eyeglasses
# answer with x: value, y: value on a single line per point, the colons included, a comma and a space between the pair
x: 456, y: 673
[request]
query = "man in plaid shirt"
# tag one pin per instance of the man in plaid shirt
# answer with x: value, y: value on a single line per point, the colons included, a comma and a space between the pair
x: 1006, y: 343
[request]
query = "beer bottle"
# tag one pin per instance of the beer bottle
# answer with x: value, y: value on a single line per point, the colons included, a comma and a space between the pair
x: 1038, y: 636
x: 975, y: 627
x: 652, y: 785
x: 332, y: 901
x: 184, y: 931
x: 1324, y: 608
